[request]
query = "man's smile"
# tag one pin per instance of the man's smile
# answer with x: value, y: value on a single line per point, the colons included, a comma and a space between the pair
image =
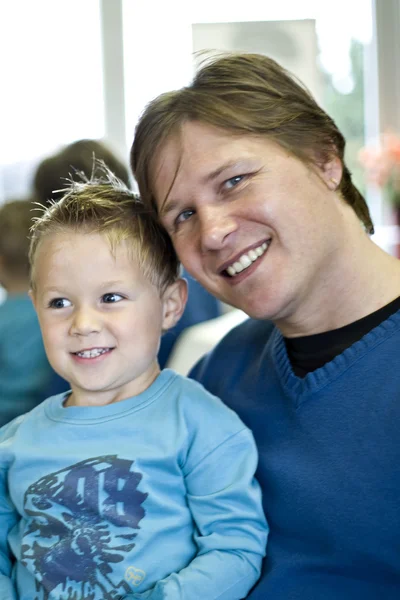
x: 245, y: 260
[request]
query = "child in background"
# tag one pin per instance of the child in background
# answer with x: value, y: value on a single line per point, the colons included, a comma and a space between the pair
x: 136, y: 483
x: 25, y: 372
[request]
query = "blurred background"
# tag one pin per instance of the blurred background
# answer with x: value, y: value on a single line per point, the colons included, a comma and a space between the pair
x: 74, y: 69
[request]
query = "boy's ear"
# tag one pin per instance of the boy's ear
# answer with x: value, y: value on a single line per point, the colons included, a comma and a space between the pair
x: 32, y: 297
x: 174, y: 302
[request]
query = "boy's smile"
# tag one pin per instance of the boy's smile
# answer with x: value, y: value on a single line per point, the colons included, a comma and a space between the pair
x: 91, y: 353
x: 101, y: 318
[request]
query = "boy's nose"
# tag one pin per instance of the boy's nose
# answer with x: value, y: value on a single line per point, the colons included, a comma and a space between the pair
x: 85, y: 321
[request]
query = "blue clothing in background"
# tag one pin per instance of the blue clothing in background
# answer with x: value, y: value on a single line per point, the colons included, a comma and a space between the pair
x: 151, y: 497
x: 201, y: 306
x: 24, y: 370
x: 329, y: 448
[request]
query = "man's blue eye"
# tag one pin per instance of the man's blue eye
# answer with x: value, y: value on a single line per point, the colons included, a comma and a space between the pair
x: 111, y: 298
x: 184, y: 215
x: 59, y: 303
x: 230, y: 183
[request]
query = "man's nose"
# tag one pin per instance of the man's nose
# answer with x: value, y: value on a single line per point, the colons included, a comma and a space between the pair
x: 86, y: 320
x: 216, y: 224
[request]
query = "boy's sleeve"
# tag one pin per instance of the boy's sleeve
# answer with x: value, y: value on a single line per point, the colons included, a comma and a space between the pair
x: 8, y: 515
x: 225, y: 501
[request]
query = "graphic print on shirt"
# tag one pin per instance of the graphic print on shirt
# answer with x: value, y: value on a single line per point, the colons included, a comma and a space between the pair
x: 82, y: 521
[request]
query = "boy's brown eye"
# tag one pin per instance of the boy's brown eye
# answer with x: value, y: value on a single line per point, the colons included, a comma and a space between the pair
x: 59, y: 303
x: 111, y: 297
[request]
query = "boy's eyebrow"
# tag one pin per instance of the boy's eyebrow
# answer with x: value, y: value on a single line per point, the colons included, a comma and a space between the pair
x: 104, y: 284
x: 46, y: 289
x: 113, y: 283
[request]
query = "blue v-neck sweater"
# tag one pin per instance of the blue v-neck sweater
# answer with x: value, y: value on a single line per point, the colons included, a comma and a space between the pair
x: 329, y: 463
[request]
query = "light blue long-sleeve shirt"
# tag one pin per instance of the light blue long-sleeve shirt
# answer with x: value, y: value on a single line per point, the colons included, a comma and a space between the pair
x: 152, y: 497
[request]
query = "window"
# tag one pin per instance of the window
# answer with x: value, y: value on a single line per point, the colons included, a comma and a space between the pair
x: 51, y: 74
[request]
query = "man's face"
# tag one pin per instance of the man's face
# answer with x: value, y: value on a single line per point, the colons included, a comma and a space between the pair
x: 257, y: 227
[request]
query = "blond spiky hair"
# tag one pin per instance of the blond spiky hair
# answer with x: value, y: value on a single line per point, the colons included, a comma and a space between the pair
x: 107, y: 206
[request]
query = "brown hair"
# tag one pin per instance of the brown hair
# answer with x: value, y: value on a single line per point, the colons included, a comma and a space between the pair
x: 245, y: 94
x: 53, y: 173
x: 15, y: 222
x: 105, y: 205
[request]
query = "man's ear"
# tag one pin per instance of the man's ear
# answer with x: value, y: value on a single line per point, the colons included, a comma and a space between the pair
x: 331, y: 173
x: 174, y: 302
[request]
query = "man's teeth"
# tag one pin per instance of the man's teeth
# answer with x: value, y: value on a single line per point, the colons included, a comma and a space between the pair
x: 92, y: 353
x: 246, y: 260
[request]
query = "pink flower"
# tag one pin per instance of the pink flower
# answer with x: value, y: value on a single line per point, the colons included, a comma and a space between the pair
x: 382, y: 163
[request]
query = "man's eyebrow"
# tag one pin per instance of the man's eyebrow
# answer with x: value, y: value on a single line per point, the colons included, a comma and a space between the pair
x: 215, y: 174
x: 168, y: 207
x: 171, y: 205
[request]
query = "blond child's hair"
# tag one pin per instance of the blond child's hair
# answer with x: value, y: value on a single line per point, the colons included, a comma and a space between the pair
x: 107, y: 206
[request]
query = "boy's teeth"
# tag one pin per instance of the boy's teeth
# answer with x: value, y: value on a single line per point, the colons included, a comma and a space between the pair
x: 246, y: 260
x: 92, y: 353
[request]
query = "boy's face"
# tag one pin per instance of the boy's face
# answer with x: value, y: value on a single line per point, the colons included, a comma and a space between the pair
x: 101, y: 319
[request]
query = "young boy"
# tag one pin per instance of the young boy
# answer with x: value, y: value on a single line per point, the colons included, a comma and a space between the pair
x: 136, y: 483
x: 25, y: 372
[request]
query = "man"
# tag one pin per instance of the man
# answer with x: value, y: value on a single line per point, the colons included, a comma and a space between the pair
x: 248, y: 176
